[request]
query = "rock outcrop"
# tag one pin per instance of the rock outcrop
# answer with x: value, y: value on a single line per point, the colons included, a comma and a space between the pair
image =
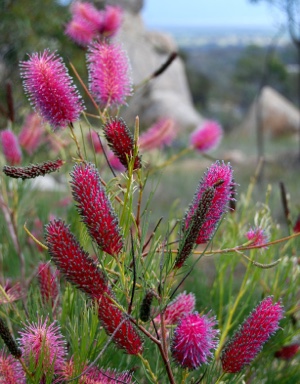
x: 166, y: 96
x: 276, y: 114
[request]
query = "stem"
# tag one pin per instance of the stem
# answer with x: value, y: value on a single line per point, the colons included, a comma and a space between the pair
x: 28, y: 373
x: 148, y: 368
x: 145, y: 332
x: 231, y: 313
x: 241, y: 248
x: 152, y: 234
x: 84, y: 86
x: 34, y: 238
x: 73, y: 136
x: 139, y: 205
x: 185, y: 375
x: 134, y: 274
x: 163, y: 332
x: 220, y: 378
x: 164, y: 347
x: 167, y: 365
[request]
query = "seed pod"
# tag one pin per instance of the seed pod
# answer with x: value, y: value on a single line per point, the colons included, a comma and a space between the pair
x: 146, y: 306
x: 9, y: 341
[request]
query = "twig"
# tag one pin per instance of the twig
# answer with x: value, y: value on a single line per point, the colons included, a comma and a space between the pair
x: 152, y: 234
x: 84, y: 86
x: 34, y: 238
x: 285, y: 205
x: 73, y: 136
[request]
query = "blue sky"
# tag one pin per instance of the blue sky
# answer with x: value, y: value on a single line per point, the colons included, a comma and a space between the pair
x: 208, y: 13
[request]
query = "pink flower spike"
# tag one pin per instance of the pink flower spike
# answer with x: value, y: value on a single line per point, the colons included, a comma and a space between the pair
x: 257, y: 236
x: 43, y: 341
x: 287, y: 352
x: 220, y: 177
x: 74, y: 263
x: 94, y: 141
x: 111, y: 317
x: 158, y: 135
x: 87, y: 13
x: 183, y: 304
x: 33, y: 170
x: 80, y: 32
x: 10, y: 293
x: 11, y: 371
x: 109, y: 79
x: 10, y: 146
x: 31, y: 135
x: 95, y: 208
x: 296, y: 227
x: 48, y: 283
x: 112, y: 20
x: 194, y: 339
x: 249, y: 339
x: 207, y: 136
x: 50, y: 89
x: 121, y: 141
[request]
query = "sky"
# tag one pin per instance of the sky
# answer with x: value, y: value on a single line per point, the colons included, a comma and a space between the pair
x: 165, y: 13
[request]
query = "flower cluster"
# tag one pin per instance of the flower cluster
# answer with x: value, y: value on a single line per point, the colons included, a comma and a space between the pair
x: 95, y: 208
x: 194, y: 339
x: 48, y: 282
x: 121, y: 141
x: 81, y: 270
x: 50, y: 89
x: 210, y: 202
x: 32, y: 132
x: 10, y: 293
x: 70, y: 258
x: 43, y: 344
x: 219, y: 177
x: 11, y: 371
x: 257, y: 236
x: 183, y: 304
x: 88, y: 23
x: 94, y: 375
x: 207, y: 136
x: 33, y: 170
x: 247, y: 342
x: 109, y: 73
x: 159, y: 134
x: 11, y: 147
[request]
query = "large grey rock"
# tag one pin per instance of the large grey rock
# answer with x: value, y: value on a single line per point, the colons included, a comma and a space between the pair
x: 166, y: 96
x: 278, y: 116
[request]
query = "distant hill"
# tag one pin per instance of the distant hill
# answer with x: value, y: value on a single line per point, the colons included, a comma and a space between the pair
x: 187, y: 37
